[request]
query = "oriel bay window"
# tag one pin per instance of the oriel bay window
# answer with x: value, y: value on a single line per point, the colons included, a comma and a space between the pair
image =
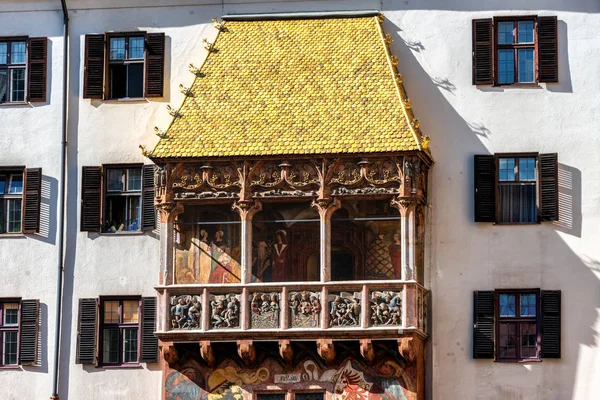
x: 22, y: 69
x: 20, y: 200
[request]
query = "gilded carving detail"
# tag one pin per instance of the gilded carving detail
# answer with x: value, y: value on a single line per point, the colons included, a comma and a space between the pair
x: 386, y: 308
x: 264, y: 309
x: 305, y: 308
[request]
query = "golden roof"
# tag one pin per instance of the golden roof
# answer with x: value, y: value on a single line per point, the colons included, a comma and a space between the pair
x: 295, y: 86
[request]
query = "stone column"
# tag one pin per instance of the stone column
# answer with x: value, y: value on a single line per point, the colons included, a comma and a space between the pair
x: 247, y: 210
x: 407, y: 232
x: 168, y: 214
x: 325, y: 208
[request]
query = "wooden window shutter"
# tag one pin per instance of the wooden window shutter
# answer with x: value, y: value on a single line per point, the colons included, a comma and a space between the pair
x: 155, y: 64
x: 547, y: 33
x: 483, y: 324
x: 485, y: 188
x: 91, y: 199
x: 93, y: 73
x: 550, y: 323
x: 32, y: 200
x: 149, y: 341
x: 148, y: 210
x: 87, y: 328
x: 36, y: 69
x: 483, y: 52
x: 29, y: 340
x: 548, y: 176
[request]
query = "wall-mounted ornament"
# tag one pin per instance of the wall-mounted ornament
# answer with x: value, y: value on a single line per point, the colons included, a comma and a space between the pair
x: 305, y: 308
x: 264, y: 308
x: 207, y: 45
x: 386, y: 308
x: 185, y: 312
x: 196, y: 71
x: 425, y: 143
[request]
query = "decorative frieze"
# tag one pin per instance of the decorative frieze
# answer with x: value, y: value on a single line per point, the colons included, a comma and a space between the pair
x: 264, y: 308
x: 305, y: 308
x: 344, y: 309
x: 186, y: 311
x: 386, y: 308
x: 225, y: 311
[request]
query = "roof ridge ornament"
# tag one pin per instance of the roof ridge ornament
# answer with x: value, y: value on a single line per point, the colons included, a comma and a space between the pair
x: 185, y: 90
x: 196, y: 71
x: 173, y: 112
x: 208, y: 45
x: 160, y: 133
x: 145, y: 152
x: 218, y: 24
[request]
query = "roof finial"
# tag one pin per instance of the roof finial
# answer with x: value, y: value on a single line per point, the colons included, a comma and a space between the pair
x: 144, y: 151
x: 185, y: 90
x: 173, y: 112
x: 159, y: 133
x: 195, y: 71
x: 425, y: 143
x: 207, y: 45
x: 218, y: 24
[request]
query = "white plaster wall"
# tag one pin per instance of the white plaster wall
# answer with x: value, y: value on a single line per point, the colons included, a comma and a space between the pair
x: 433, y: 43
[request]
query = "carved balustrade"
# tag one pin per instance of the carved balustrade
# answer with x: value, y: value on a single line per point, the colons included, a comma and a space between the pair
x: 362, y: 309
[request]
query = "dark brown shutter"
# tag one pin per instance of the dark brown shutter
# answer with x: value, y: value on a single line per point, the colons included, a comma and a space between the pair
x: 148, y: 210
x: 485, y: 191
x: 93, y: 74
x: 37, y: 66
x: 550, y: 323
x: 149, y: 342
x: 547, y: 49
x: 155, y: 64
x: 30, y: 332
x: 483, y: 52
x: 87, y: 332
x: 483, y: 324
x: 548, y: 176
x: 91, y: 199
x: 31, y: 200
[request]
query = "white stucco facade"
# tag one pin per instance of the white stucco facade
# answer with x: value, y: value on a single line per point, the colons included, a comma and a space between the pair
x: 432, y: 41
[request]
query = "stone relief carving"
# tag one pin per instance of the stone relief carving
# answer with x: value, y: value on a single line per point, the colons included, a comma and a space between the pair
x: 225, y: 311
x: 186, y: 311
x: 386, y: 308
x: 264, y: 308
x: 305, y: 309
x: 344, y: 309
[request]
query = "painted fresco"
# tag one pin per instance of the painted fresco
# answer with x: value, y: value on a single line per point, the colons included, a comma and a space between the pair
x: 389, y: 378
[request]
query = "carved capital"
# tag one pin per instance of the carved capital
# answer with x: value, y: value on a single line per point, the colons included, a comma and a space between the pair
x: 367, y: 350
x: 326, y: 207
x: 326, y: 350
x: 405, y: 205
x: 247, y: 208
x: 169, y: 211
x: 247, y: 351
x: 207, y: 353
x: 286, y: 352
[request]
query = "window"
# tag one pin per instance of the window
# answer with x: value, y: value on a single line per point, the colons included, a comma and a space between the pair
x: 510, y: 50
x: 9, y: 328
x: 291, y: 395
x: 22, y: 69
x: 519, y: 188
x: 11, y: 201
x: 118, y: 198
x: 120, y: 331
x: 123, y: 199
x: 516, y: 324
x: 124, y: 65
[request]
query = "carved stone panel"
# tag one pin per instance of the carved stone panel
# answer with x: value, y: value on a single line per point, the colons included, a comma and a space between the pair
x: 225, y: 311
x: 305, y: 308
x: 386, y: 308
x: 344, y: 309
x: 264, y: 309
x: 186, y: 311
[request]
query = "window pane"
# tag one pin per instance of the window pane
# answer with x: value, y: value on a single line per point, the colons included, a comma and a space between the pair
x: 130, y: 311
x: 2, y: 183
x: 17, y: 84
x: 16, y: 184
x: 505, y: 33
x: 518, y: 203
x: 136, y: 47
x: 11, y: 314
x: 527, y: 169
x: 3, y: 52
x: 3, y: 85
x: 2, y: 217
x: 506, y: 66
x: 310, y: 396
x: 14, y: 215
x: 117, y: 48
x: 133, y: 213
x: 110, y: 345
x: 528, y: 340
x: 134, y: 179
x: 118, y: 81
x: 111, y: 312
x: 507, y: 305
x: 271, y: 396
x: 135, y: 80
x: 130, y: 344
x: 17, y: 53
x: 526, y: 65
x: 508, y: 340
x: 507, y: 169
x: 9, y: 348
x: 115, y: 180
x: 528, y: 307
x: 526, y: 32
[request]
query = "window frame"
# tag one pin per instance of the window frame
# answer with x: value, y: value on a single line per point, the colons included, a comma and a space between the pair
x: 12, y: 67
x: 121, y: 326
x: 517, y: 319
x: 125, y: 61
x: 9, y: 174
x: 106, y: 194
x: 10, y: 328
x: 290, y: 394
x: 515, y: 46
x: 498, y: 183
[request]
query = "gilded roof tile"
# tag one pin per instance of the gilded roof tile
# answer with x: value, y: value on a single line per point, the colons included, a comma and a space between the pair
x: 301, y: 86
